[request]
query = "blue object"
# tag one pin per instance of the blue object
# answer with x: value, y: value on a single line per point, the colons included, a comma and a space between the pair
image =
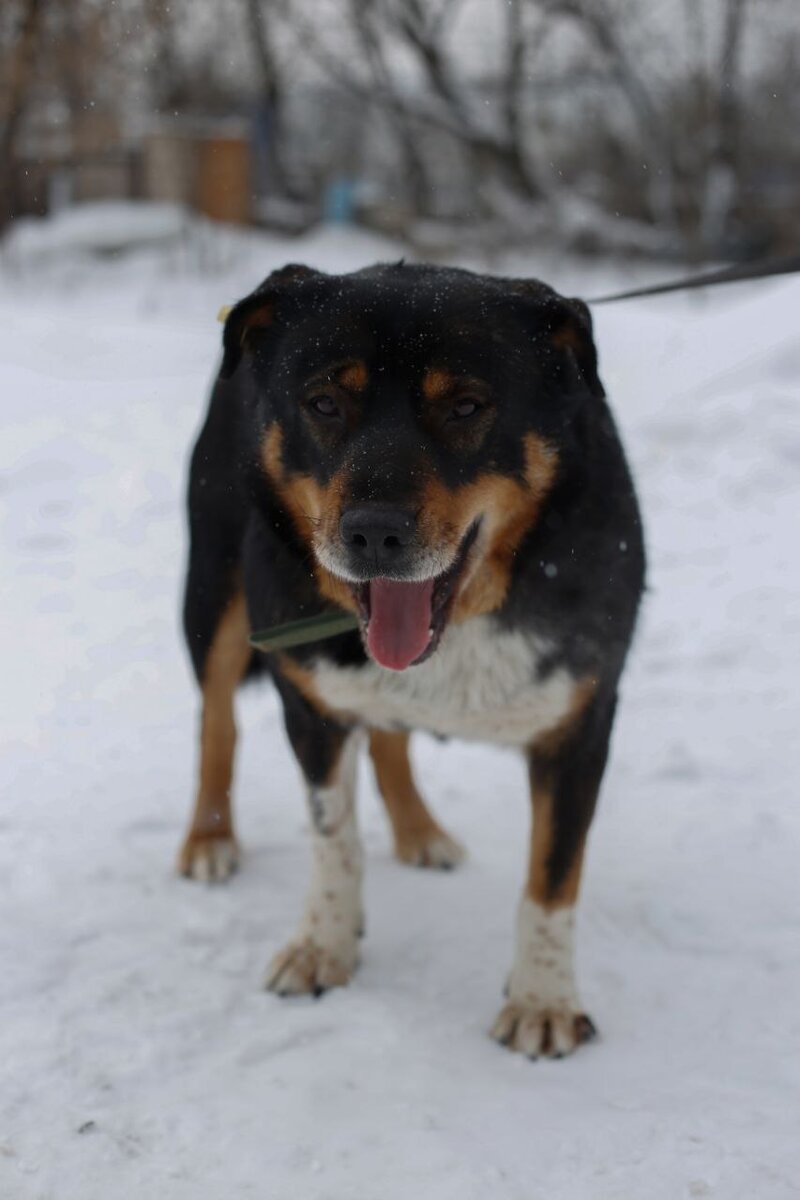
x: 339, y: 203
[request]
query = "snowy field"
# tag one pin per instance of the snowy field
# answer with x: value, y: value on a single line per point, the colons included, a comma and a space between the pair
x: 138, y: 1055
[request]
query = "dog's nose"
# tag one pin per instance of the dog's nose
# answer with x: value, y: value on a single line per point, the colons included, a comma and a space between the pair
x: 377, y: 535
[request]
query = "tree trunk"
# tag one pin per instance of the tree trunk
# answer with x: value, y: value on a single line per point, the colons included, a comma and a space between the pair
x: 721, y: 184
x: 271, y: 98
x: 18, y: 81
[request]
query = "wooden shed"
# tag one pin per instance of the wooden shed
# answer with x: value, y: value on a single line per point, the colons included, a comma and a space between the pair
x: 203, y: 165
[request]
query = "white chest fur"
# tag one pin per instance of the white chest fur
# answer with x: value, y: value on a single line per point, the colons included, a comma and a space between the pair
x: 480, y: 684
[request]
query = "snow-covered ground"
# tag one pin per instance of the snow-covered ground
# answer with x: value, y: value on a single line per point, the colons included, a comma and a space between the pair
x: 138, y: 1056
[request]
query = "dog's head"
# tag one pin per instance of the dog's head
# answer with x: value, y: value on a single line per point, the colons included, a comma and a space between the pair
x: 411, y: 423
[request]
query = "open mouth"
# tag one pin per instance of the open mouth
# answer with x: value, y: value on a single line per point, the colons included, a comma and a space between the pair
x: 403, y: 622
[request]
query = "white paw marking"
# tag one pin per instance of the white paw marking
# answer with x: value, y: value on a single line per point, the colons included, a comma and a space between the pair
x: 544, y: 1033
x: 543, y: 1015
x: 209, y: 860
x: 306, y: 968
x: 438, y: 850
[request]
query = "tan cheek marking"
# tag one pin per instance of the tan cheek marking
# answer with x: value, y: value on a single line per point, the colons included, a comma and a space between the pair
x: 436, y: 383
x: 301, y: 495
x: 354, y: 376
x: 509, y: 509
x: 513, y: 511
x: 335, y: 590
x: 271, y: 454
x: 312, y: 508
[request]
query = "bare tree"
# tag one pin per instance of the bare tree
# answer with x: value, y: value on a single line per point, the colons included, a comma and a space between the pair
x: 619, y: 136
x: 442, y: 100
x: 260, y: 19
x: 601, y: 24
x: 373, y: 47
x: 721, y: 172
x: 497, y: 149
x: 16, y: 84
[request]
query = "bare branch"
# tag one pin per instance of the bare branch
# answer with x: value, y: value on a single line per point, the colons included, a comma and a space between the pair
x: 601, y: 28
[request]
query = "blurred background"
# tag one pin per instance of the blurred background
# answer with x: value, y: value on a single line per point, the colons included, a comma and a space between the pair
x: 605, y: 126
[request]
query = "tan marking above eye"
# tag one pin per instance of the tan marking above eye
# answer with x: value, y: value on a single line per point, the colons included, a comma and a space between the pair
x: 437, y: 383
x: 353, y: 376
x: 446, y: 391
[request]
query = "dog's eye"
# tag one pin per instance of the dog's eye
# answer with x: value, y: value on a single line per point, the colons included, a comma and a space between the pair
x: 464, y: 408
x: 326, y: 406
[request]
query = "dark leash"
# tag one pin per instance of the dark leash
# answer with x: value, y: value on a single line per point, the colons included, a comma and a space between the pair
x: 736, y: 274
x: 329, y: 624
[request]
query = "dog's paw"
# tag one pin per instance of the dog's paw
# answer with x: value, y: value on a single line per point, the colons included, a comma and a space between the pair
x: 430, y: 848
x: 541, y: 1032
x: 305, y: 968
x: 208, y: 858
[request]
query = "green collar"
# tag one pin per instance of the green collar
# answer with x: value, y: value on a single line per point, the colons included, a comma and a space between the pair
x: 307, y: 629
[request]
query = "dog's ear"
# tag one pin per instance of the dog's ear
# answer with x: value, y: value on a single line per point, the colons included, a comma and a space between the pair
x: 567, y: 325
x: 573, y: 332
x: 259, y: 310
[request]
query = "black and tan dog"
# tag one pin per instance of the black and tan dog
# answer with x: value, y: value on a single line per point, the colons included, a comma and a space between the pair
x: 431, y: 450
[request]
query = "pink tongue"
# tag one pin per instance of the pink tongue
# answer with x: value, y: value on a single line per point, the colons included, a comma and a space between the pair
x: 399, y: 620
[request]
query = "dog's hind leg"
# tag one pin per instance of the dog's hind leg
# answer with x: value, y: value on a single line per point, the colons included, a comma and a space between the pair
x: 418, y: 837
x: 209, y: 852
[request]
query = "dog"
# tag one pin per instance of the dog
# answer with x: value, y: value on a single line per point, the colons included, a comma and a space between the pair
x: 429, y: 450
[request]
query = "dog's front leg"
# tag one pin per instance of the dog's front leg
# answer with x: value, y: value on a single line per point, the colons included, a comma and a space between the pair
x: 543, y: 1015
x: 324, y: 951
